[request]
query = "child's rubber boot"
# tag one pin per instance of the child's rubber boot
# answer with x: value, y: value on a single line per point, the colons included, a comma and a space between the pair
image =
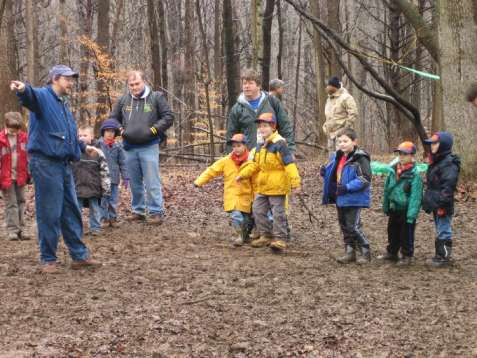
x: 364, y: 256
x: 237, y: 240
x: 443, y: 253
x: 262, y: 241
x: 278, y: 245
x: 349, y: 256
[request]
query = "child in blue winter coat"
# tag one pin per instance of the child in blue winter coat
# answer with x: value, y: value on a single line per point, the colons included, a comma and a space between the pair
x: 347, y: 183
x: 116, y: 160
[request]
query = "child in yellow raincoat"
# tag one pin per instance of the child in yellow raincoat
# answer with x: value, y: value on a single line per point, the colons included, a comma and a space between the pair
x: 277, y: 174
x: 238, y: 197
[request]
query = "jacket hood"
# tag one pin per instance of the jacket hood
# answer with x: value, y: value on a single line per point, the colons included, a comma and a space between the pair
x: 339, y: 92
x: 355, y: 155
x: 147, y: 91
x: 242, y: 100
x: 446, y: 141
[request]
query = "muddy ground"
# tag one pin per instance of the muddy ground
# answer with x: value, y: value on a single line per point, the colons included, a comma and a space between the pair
x: 181, y: 290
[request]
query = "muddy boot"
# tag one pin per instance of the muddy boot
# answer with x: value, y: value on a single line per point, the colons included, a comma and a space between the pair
x: 24, y: 235
x: 136, y: 217
x: 13, y: 236
x: 364, y: 256
x: 278, y: 245
x: 349, y: 256
x: 443, y: 253
x: 254, y: 235
x: 387, y: 257
x: 262, y: 241
x: 237, y: 239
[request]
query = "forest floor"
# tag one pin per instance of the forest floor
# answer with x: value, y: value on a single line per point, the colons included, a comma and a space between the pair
x: 181, y: 290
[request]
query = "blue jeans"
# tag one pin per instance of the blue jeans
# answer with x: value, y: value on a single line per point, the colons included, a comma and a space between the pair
x: 95, y: 212
x: 443, y: 227
x: 57, y: 209
x: 143, y: 169
x: 109, y: 204
x: 237, y: 218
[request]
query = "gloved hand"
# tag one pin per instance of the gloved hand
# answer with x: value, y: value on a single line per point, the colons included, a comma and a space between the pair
x: 341, y: 189
x: 322, y: 170
x: 126, y: 183
x: 441, y: 212
x: 154, y: 131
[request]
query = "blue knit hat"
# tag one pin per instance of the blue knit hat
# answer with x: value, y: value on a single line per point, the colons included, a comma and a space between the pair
x: 335, y: 82
x: 111, y: 123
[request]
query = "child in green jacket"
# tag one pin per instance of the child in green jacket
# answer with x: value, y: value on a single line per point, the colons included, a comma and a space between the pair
x: 402, y: 202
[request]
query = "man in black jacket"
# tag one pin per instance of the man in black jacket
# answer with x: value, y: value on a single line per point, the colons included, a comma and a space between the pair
x: 442, y: 177
x: 144, y: 116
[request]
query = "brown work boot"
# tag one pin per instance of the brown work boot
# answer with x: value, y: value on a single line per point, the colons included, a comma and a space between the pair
x: 49, y: 268
x: 84, y: 264
x: 262, y: 241
x: 155, y: 220
x: 137, y: 217
x: 278, y: 245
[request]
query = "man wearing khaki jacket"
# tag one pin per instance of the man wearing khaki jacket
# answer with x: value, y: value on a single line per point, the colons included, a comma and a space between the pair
x: 340, y: 111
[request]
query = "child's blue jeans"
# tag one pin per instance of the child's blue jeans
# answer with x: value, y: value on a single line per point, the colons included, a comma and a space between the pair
x: 95, y: 212
x: 109, y: 204
x: 443, y: 227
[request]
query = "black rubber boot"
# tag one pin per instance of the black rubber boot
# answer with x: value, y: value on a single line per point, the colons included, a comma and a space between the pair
x: 387, y: 257
x: 364, y: 256
x: 443, y: 253
x: 349, y: 256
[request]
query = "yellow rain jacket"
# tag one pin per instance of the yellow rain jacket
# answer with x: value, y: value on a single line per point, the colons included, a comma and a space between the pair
x: 237, y: 195
x: 275, y: 164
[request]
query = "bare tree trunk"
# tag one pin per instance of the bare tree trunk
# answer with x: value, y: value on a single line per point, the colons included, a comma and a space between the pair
x: 257, y: 41
x: 86, y: 13
x: 280, y: 40
x: 320, y: 76
x: 267, y: 42
x: 203, y: 33
x: 116, y: 24
x: 189, y: 67
x: 218, y: 64
x: 458, y: 46
x: 30, y: 29
x: 232, y: 59
x: 334, y: 23
x: 154, y: 40
x: 103, y: 100
x: 164, y: 44
x: 63, y: 33
x: 210, y: 120
x: 297, y: 76
x: 7, y: 68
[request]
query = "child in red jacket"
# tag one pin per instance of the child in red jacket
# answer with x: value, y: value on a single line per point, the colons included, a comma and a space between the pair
x: 14, y: 174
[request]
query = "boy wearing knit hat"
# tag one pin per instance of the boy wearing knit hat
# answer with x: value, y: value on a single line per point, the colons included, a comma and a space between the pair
x: 277, y: 174
x: 402, y: 202
x: 442, y: 177
x: 237, y: 196
x: 116, y: 159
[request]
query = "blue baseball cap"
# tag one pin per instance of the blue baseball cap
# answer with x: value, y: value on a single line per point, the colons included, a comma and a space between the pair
x: 62, y: 70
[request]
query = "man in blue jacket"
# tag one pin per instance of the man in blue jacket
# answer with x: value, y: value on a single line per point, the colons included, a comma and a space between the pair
x: 52, y: 145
